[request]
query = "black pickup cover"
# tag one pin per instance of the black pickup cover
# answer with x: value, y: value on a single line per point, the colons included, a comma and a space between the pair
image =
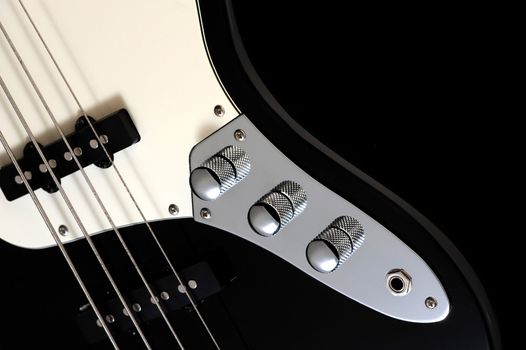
x: 118, y: 127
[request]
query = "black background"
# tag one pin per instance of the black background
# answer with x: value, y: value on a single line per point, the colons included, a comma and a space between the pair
x: 415, y: 97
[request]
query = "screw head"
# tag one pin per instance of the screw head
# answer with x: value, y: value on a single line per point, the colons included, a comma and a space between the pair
x: 165, y: 296
x: 205, y: 213
x: 240, y: 135
x: 431, y: 303
x: 192, y: 284
x: 173, y: 209
x: 63, y: 230
x: 219, y: 111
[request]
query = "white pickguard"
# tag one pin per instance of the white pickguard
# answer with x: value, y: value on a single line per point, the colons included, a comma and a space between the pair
x: 147, y: 56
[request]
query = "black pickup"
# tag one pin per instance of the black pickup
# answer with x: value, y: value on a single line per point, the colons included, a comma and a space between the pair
x: 116, y: 131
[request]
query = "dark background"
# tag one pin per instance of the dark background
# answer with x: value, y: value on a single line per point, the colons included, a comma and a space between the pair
x: 424, y: 93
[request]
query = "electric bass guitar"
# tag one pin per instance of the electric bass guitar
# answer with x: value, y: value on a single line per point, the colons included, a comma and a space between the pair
x: 155, y: 195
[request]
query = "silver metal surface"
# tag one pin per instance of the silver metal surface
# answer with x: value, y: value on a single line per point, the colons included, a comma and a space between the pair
x: 277, y: 208
x: 363, y: 277
x: 322, y: 257
x: 136, y: 307
x: 341, y: 238
x: 219, y: 173
x: 165, y: 296
x: 263, y: 219
x: 42, y: 168
x: 110, y: 318
x: 68, y: 157
x: 181, y: 289
x: 204, y: 184
x: 399, y: 282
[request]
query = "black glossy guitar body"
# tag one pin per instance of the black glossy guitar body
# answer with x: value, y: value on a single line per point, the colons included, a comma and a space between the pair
x: 264, y: 302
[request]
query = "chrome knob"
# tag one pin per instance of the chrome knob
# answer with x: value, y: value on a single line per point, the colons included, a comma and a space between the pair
x: 335, y: 244
x: 219, y: 173
x: 277, y: 208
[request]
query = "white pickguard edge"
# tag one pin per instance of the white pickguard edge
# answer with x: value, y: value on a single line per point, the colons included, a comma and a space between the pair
x: 147, y: 56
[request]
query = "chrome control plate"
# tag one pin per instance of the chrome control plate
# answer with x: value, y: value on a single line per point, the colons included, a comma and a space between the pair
x: 363, y: 276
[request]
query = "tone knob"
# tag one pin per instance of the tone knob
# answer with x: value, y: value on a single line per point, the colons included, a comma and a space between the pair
x: 219, y: 173
x: 335, y: 244
x: 277, y: 208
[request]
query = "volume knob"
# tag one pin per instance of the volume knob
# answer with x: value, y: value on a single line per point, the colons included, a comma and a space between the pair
x: 335, y: 244
x: 219, y: 173
x: 277, y: 208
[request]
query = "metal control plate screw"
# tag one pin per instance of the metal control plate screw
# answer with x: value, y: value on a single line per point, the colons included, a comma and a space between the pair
x: 219, y: 111
x: 205, y: 213
x: 431, y: 303
x: 165, y: 296
x: 173, y: 209
x: 240, y: 135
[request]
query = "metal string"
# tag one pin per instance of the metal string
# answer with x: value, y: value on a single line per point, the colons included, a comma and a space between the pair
x: 71, y: 207
x: 53, y: 232
x: 92, y: 189
x: 118, y: 173
x: 69, y: 204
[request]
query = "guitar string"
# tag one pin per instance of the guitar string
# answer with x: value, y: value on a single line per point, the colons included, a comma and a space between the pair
x: 70, y: 205
x: 56, y: 238
x: 153, y: 297
x: 67, y: 201
x: 118, y: 173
